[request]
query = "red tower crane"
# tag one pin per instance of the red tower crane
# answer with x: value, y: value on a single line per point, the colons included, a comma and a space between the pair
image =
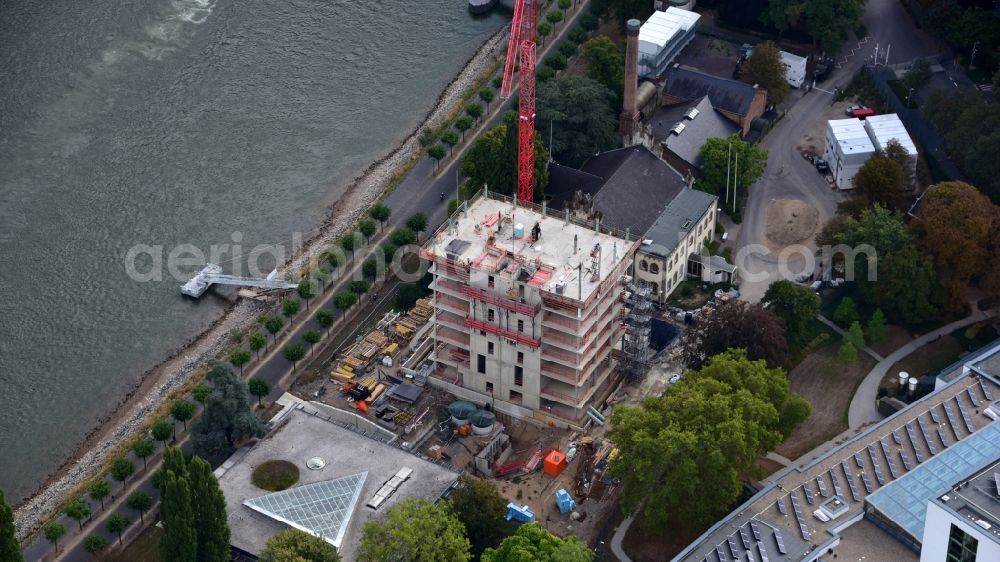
x: 522, y: 43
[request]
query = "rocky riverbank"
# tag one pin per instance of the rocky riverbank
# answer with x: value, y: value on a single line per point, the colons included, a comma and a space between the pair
x: 130, y: 415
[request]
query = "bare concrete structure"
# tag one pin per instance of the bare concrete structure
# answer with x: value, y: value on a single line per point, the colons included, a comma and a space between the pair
x: 528, y: 308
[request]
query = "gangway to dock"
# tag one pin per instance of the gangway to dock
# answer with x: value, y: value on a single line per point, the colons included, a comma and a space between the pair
x: 212, y: 274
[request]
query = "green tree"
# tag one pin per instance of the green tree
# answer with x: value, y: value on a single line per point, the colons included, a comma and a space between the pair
x: 766, y: 68
x: 856, y: 335
x: 99, y: 490
x: 344, y: 300
x: 605, y: 64
x: 417, y: 531
x: 121, y: 469
x: 259, y: 387
x: 312, y: 337
x: 53, y: 531
x: 463, y: 124
x: 95, y: 544
x: 492, y: 159
x: 209, y: 507
x: 797, y: 306
x: 179, y: 542
x: 417, y: 222
x: 116, y: 525
x: 554, y: 17
x: 846, y: 312
x: 10, y: 549
x: 173, y: 460
x: 449, y: 138
x: 258, y: 341
x: 588, y: 22
x: 880, y: 180
x: 482, y: 510
x: 564, y: 5
x: 142, y: 449
x: 323, y: 276
x: 557, y: 61
x: 486, y: 95
x: 408, y: 294
x: 162, y: 430
x: 582, y: 117
x: 350, y: 242
x: 403, y: 236
x: 273, y: 325
x: 876, y: 328
x: 918, y: 75
x: 292, y: 545
x: 532, y: 542
x: 325, y: 319
x: 890, y: 273
x: 497, y: 82
x: 140, y: 502
x: 240, y: 357
x: 568, y: 48
x: 369, y: 268
x: 684, y: 451
x: 228, y: 415
x: 577, y: 35
x: 380, y: 212
x: 182, y: 410
x: 716, y: 154
x: 306, y: 291
x: 290, y: 307
x: 829, y: 23
x: 334, y: 258
x: 544, y: 30
x: 77, y: 510
x: 200, y: 392
x: 389, y: 251
x: 359, y: 286
x: 847, y: 353
x: 367, y: 227
x: 437, y: 152
x: 294, y: 352
x: 475, y: 111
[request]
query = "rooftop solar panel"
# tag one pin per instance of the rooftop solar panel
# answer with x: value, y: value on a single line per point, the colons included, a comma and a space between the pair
x: 913, y: 442
x: 965, y: 415
x: 875, y: 464
x: 745, y: 537
x: 821, y: 484
x: 934, y: 416
x: 952, y: 421
x: 867, y: 482
x: 943, y: 437
x: 906, y: 459
x: 799, y: 517
x: 755, y: 529
x: 927, y: 438
x: 780, y: 542
x: 986, y: 390
x: 719, y: 552
x: 836, y: 484
x: 858, y: 461
x: 895, y: 437
x: 972, y: 397
x: 733, y: 549
x: 889, y: 460
x: 809, y: 493
x: 850, y: 481
x: 781, y: 506
x: 762, y: 552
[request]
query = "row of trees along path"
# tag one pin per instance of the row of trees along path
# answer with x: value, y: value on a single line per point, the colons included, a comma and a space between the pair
x: 103, y: 513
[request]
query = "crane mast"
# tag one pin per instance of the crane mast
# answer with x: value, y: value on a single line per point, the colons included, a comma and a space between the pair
x: 522, y: 49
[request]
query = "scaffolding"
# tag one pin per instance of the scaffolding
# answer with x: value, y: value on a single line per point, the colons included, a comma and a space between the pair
x: 635, y: 343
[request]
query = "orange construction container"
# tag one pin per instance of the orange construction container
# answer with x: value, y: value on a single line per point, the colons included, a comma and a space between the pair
x: 361, y: 406
x: 555, y: 463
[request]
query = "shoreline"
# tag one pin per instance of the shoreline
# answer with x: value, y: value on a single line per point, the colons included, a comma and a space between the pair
x: 124, y: 420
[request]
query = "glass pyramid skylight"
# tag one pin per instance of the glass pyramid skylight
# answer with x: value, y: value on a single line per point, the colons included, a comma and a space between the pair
x: 323, y: 508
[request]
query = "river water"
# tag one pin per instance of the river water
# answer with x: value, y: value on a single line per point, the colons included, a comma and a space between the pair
x: 169, y: 122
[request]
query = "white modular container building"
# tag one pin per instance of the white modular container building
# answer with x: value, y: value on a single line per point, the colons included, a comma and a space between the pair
x: 848, y: 147
x: 663, y: 36
x: 795, y: 69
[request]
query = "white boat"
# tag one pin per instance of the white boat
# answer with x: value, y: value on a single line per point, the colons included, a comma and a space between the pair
x: 198, y: 284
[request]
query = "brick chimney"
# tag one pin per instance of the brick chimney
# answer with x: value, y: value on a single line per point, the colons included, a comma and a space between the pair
x: 629, y: 120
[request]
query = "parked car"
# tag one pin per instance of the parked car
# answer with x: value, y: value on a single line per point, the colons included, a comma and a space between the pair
x: 822, y: 69
x: 804, y: 278
x: 851, y: 109
x: 822, y: 166
x: 674, y: 379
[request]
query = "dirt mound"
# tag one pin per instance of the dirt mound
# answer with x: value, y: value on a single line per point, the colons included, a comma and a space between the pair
x: 789, y: 221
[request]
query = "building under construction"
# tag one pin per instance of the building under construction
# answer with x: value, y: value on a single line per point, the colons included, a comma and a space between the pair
x: 528, y: 307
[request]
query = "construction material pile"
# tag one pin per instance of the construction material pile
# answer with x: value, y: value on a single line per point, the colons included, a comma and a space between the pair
x: 414, y: 319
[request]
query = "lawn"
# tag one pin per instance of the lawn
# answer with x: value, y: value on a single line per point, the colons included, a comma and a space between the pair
x: 145, y: 548
x: 828, y: 385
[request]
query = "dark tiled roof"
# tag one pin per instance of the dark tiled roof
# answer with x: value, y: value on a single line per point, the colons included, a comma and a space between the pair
x: 707, y: 124
x: 725, y: 94
x: 676, y: 220
x: 637, y: 187
x: 565, y: 181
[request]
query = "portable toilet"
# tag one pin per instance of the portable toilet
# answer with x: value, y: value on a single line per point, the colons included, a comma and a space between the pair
x: 565, y: 501
x: 519, y: 513
x: 555, y: 463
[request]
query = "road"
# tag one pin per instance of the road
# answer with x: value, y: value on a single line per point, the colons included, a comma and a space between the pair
x: 790, y: 176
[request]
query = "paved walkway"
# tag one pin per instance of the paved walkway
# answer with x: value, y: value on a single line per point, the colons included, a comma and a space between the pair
x: 784, y: 461
x: 863, y: 408
x: 840, y: 331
